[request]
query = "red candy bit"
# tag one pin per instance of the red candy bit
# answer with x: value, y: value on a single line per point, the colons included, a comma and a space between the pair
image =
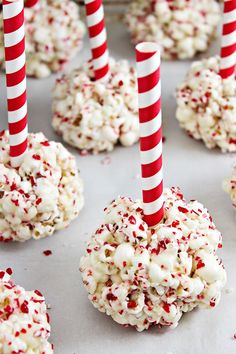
x: 36, y: 157
x: 24, y: 307
x: 200, y: 264
x: 141, y: 227
x: 47, y: 253
x: 45, y: 143
x: 234, y: 336
x: 37, y: 292
x: 166, y: 307
x: 9, y: 271
x: 132, y: 304
x: 38, y: 201
x: 2, y: 274
x: 183, y: 210
x: 132, y: 220
x: 111, y: 297
x: 163, y: 139
x: 16, y: 202
x: 13, y: 187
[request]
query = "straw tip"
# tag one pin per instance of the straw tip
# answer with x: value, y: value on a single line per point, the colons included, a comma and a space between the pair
x: 147, y: 47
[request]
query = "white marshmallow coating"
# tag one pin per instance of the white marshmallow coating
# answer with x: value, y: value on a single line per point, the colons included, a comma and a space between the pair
x: 43, y: 195
x: 229, y: 186
x: 182, y: 28
x: 141, y: 276
x: 24, y: 322
x: 54, y: 35
x: 206, y: 105
x: 93, y: 115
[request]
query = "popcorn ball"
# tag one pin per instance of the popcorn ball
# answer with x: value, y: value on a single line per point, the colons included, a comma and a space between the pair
x: 24, y: 322
x: 229, y: 186
x: 54, y: 34
x: 182, y: 28
x: 144, y: 276
x: 95, y: 115
x: 206, y: 105
x: 41, y: 196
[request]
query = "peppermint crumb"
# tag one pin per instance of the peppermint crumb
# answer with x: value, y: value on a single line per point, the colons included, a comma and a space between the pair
x: 163, y: 139
x: 47, y: 253
x: 106, y: 160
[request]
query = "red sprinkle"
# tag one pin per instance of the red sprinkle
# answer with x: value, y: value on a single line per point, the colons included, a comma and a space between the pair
x: 183, y: 210
x: 132, y: 220
x: 36, y: 157
x: 166, y: 307
x: 132, y: 304
x: 111, y: 297
x: 9, y: 271
x: 200, y: 264
x: 47, y: 253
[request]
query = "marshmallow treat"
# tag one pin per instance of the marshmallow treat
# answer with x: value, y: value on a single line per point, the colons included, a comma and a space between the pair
x: 41, y: 196
x: 182, y: 28
x: 229, y: 186
x: 24, y: 322
x: 93, y: 115
x: 206, y: 105
x: 141, y: 276
x: 53, y: 36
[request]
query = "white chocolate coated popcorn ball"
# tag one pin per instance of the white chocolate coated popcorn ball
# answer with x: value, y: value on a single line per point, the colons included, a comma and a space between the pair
x: 24, y: 322
x: 144, y: 276
x: 93, y: 115
x: 229, y: 186
x: 41, y: 196
x: 182, y: 28
x: 54, y: 34
x: 206, y: 105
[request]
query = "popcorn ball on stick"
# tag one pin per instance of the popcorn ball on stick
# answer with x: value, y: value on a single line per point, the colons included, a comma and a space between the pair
x: 206, y: 100
x: 54, y: 35
x: 183, y: 28
x: 24, y: 322
x: 40, y: 187
x: 95, y: 106
x: 149, y: 262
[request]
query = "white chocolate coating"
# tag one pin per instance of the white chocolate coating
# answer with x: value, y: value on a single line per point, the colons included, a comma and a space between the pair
x: 93, y: 115
x: 54, y: 35
x: 229, y: 186
x: 24, y: 325
x: 206, y: 105
x: 182, y: 28
x: 141, y: 276
x: 44, y: 195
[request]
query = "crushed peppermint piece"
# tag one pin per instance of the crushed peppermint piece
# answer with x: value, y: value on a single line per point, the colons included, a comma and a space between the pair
x: 143, y: 277
x: 206, y: 105
x: 48, y: 50
x: 24, y: 326
x: 182, y: 28
x: 44, y: 195
x: 103, y: 114
x: 47, y: 253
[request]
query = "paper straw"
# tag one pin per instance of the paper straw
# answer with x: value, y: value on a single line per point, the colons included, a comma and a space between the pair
x: 98, y: 38
x: 149, y: 95
x: 228, y: 45
x: 14, y: 41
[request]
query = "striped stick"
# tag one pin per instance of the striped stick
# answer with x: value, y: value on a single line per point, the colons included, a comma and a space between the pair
x: 98, y: 38
x: 14, y: 42
x: 228, y: 45
x: 149, y: 95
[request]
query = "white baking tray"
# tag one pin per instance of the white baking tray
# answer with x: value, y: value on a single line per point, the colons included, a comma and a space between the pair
x: 76, y: 326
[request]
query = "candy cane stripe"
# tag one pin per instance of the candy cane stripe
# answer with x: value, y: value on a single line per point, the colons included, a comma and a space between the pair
x: 14, y: 52
x: 15, y: 128
x: 11, y: 25
x: 13, y: 80
x: 13, y: 9
x: 151, y: 170
x: 149, y: 97
x: 97, y: 37
x: 228, y: 43
x: 21, y: 112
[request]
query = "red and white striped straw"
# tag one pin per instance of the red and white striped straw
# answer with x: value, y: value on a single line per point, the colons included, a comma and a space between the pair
x: 14, y: 41
x: 228, y: 45
x: 31, y: 3
x: 149, y: 95
x: 98, y: 38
